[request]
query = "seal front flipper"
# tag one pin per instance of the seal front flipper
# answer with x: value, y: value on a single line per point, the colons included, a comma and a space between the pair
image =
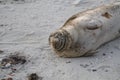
x: 91, y: 53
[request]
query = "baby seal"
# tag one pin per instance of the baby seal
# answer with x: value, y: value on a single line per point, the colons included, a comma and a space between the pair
x: 83, y: 33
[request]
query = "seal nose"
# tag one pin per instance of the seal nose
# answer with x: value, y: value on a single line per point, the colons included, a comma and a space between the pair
x: 57, y: 40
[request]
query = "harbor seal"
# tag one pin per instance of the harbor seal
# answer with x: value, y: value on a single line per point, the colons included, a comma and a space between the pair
x: 83, y: 33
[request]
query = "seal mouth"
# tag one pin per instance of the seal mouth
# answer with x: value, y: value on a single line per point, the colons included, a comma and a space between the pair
x: 59, y: 40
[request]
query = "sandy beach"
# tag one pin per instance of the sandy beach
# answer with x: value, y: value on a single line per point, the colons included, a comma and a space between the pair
x: 25, y: 26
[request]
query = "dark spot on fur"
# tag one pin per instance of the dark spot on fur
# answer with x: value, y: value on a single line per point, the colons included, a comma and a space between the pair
x: 107, y: 15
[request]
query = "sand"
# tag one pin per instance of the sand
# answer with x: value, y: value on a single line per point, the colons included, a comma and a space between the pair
x: 25, y: 26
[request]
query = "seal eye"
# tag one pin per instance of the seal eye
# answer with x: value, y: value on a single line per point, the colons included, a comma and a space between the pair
x: 94, y: 24
x: 92, y: 27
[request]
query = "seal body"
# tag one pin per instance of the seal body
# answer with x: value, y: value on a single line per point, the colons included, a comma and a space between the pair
x: 83, y: 33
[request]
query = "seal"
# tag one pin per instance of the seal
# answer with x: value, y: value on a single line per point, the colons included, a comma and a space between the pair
x: 83, y: 33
